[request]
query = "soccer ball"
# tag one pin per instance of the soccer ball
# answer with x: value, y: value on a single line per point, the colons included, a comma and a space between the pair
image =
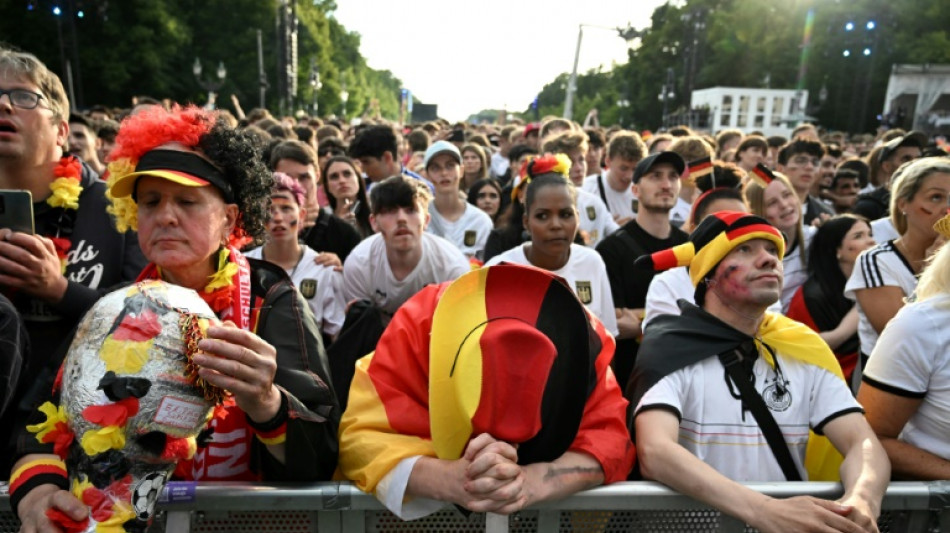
x: 145, y: 494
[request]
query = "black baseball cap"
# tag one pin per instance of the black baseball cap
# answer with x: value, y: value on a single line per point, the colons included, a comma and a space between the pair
x: 911, y: 138
x: 647, y: 163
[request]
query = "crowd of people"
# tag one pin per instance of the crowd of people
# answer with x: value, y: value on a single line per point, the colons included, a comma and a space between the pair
x: 589, y: 305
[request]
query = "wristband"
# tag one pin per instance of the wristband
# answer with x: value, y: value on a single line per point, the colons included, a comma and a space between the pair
x: 274, y: 431
x: 33, y: 474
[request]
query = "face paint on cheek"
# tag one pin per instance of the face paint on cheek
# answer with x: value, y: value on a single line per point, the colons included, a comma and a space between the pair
x: 293, y: 223
x: 730, y: 286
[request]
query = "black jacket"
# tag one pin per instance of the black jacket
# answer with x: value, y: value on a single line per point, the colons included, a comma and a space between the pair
x: 332, y: 234
x: 873, y: 205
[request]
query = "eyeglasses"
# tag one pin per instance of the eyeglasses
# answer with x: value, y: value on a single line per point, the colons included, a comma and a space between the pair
x: 22, y: 98
x: 802, y: 160
x: 330, y: 152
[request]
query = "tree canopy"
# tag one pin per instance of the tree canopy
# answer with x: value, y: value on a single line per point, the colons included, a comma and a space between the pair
x: 762, y: 43
x: 118, y: 50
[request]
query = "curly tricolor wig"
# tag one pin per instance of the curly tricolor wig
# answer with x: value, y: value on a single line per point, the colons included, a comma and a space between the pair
x: 231, y: 151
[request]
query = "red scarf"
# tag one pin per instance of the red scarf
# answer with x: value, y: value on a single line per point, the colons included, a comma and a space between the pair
x: 232, y: 302
x: 227, y: 456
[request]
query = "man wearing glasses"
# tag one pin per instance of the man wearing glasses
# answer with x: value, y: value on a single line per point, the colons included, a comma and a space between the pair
x: 76, y: 254
x: 800, y: 161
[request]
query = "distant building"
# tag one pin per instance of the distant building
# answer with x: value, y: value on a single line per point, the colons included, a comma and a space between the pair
x: 918, y: 97
x: 771, y: 111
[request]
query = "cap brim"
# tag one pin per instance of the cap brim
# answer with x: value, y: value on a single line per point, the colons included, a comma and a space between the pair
x: 669, y: 157
x: 651, y: 161
x: 915, y: 138
x: 125, y: 185
x: 455, y: 156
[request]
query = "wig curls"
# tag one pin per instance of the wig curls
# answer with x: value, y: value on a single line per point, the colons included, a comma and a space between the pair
x: 228, y: 149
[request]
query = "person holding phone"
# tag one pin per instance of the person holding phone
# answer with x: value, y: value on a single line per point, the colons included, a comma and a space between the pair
x: 76, y: 254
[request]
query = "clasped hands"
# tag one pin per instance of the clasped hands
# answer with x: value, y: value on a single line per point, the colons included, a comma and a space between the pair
x: 490, y: 478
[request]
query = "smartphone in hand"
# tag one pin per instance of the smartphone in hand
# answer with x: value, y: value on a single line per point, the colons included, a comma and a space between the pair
x: 16, y: 210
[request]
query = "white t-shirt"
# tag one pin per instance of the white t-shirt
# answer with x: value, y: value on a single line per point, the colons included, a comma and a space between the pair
x: 883, y: 230
x: 912, y: 359
x: 680, y: 212
x: 712, y: 425
x: 881, y: 266
x: 594, y: 218
x: 499, y: 165
x: 585, y: 273
x: 795, y: 266
x: 367, y: 275
x: 469, y: 233
x: 672, y: 285
x: 620, y: 203
x: 321, y: 287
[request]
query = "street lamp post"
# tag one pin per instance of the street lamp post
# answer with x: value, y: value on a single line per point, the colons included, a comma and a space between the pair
x: 344, y: 97
x: 666, y: 94
x: 209, y: 84
x: 628, y: 34
x: 623, y: 104
x: 315, y: 86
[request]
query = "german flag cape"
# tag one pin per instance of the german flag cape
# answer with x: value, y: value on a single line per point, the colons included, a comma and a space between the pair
x: 674, y: 342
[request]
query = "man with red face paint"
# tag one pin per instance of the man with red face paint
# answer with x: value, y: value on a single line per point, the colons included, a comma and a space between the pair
x: 725, y: 392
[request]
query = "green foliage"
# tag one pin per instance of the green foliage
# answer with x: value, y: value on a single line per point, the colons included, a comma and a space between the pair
x: 147, y: 47
x: 749, y: 43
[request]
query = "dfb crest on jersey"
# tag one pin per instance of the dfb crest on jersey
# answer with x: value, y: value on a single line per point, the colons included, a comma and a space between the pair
x: 584, y: 293
x: 308, y: 288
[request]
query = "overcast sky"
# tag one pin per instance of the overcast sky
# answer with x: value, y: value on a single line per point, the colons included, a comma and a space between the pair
x: 474, y: 55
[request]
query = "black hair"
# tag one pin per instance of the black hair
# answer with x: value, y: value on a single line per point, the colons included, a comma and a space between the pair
x: 800, y: 146
x: 304, y: 133
x: 331, y: 145
x: 546, y: 180
x: 859, y: 166
x: 363, y: 209
x: 517, y: 151
x: 107, y: 130
x: 724, y: 182
x: 479, y: 185
x: 823, y: 257
x: 776, y: 141
x: 595, y: 138
x: 399, y: 191
x: 238, y: 156
x: 374, y: 141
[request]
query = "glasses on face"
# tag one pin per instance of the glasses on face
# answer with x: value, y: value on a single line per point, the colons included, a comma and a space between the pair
x: 22, y: 98
x: 330, y: 152
x: 802, y: 160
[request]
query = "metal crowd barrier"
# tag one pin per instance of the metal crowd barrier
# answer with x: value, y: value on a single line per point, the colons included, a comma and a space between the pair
x: 908, y: 507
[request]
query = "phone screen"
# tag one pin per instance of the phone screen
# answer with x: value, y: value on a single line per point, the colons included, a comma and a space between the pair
x: 16, y: 210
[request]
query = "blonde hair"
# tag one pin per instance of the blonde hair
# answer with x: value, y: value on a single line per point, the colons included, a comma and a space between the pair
x: 907, y: 181
x: 755, y: 198
x: 691, y: 148
x: 935, y: 279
